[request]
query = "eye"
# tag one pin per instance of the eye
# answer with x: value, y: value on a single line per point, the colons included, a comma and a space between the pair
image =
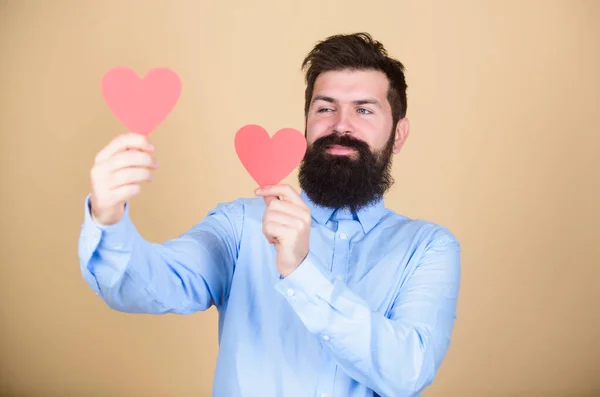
x: 323, y: 110
x: 364, y: 111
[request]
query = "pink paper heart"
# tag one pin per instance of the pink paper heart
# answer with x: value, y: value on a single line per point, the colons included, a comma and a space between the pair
x: 141, y: 104
x: 269, y: 160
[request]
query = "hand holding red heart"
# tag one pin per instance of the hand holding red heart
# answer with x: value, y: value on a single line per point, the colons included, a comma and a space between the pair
x: 286, y: 223
x: 115, y: 177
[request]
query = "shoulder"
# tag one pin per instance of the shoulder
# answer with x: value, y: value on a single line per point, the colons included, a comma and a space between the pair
x: 433, y: 249
x: 426, y: 231
x: 239, y: 208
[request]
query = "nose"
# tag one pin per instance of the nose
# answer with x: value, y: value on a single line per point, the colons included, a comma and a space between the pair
x: 342, y: 123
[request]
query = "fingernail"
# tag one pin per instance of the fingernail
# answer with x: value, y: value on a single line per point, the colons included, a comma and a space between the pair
x: 257, y: 190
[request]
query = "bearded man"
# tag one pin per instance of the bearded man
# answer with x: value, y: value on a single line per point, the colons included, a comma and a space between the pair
x: 323, y: 292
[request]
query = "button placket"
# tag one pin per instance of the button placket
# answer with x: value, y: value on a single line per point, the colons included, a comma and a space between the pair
x: 338, y: 267
x: 326, y: 380
x: 342, y: 249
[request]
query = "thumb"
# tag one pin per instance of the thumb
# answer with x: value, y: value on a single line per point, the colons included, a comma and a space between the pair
x: 268, y: 199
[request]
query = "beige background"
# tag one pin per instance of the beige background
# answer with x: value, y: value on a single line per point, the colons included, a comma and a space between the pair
x: 504, y: 150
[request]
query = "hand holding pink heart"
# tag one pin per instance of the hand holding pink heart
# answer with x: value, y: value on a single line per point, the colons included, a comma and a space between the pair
x: 269, y: 160
x: 141, y: 104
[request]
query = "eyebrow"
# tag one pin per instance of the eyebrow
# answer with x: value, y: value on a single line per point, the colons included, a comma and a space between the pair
x: 365, y: 101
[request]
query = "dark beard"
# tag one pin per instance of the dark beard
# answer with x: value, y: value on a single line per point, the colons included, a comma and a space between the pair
x: 338, y: 181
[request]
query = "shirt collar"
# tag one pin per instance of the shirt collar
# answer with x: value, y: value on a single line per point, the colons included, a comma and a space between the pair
x: 368, y: 216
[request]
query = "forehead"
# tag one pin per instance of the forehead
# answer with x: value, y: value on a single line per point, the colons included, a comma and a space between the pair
x: 352, y: 84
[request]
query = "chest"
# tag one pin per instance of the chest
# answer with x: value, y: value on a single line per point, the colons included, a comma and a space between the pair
x: 373, y: 266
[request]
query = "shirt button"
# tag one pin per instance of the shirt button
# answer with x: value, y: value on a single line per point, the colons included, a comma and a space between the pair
x: 325, y: 337
x: 343, y: 236
x: 290, y: 292
x: 339, y: 278
x: 324, y: 395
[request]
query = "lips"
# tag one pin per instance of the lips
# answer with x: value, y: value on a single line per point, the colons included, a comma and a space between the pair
x: 340, y: 150
x: 340, y: 147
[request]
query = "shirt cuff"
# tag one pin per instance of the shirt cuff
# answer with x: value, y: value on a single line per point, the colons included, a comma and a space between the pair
x: 308, y: 289
x: 310, y: 280
x: 116, y: 235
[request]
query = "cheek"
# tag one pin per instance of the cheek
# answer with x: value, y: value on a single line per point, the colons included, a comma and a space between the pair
x: 316, y: 128
x: 376, y: 134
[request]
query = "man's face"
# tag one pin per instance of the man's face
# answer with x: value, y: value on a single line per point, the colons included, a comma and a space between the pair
x: 351, y: 139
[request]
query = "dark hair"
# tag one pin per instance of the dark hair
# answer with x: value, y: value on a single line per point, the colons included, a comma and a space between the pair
x: 356, y: 51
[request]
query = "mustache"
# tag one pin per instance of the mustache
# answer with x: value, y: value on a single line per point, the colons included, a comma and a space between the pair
x: 341, y: 140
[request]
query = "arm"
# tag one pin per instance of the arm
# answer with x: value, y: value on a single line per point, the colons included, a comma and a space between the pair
x: 183, y: 275
x: 396, y: 356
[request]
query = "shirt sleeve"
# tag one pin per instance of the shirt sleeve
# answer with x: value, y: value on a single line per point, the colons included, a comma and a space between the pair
x: 183, y: 275
x: 396, y: 355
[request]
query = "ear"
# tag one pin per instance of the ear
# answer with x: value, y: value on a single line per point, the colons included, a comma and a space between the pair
x: 402, y: 131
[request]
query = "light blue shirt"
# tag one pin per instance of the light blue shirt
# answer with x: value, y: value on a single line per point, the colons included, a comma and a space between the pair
x: 369, y: 312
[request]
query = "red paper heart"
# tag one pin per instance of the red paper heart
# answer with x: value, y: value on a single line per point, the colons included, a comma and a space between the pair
x: 141, y: 104
x: 269, y: 160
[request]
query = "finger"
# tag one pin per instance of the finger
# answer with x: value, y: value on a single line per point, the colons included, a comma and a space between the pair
x: 283, y: 218
x: 125, y: 192
x: 123, y: 142
x: 130, y: 175
x: 268, y: 199
x: 302, y: 213
x: 132, y: 158
x: 285, y: 191
x: 276, y: 232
